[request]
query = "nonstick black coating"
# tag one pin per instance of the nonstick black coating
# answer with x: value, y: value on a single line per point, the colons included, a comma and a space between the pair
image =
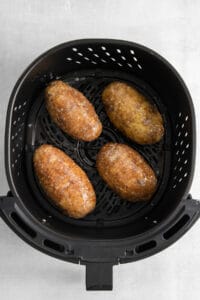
x: 110, y: 209
x: 117, y: 231
x: 89, y: 65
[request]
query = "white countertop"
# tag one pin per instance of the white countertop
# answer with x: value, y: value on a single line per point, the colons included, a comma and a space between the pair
x: 27, y: 29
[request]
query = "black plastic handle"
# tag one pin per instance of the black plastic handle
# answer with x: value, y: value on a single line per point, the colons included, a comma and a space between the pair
x: 99, y: 276
x: 99, y: 265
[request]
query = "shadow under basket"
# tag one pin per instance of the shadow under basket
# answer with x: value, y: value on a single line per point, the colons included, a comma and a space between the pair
x: 117, y: 231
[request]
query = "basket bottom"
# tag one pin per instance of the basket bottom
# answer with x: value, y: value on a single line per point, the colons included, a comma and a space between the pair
x: 110, y: 209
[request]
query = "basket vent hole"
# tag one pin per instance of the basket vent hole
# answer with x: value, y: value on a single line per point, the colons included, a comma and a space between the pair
x: 90, y: 49
x: 86, y: 58
x: 80, y: 54
x: 186, y: 174
x: 186, y: 134
x: 132, y: 51
x: 113, y: 59
x: 96, y: 55
x: 74, y: 49
x: 145, y: 247
x: 55, y: 246
x: 129, y: 252
x: 186, y: 118
x: 69, y: 58
x: 77, y: 62
x: 180, y: 114
x: 139, y: 66
x: 118, y: 51
x: 103, y: 60
x: 15, y: 108
x: 17, y: 219
x: 119, y: 64
x: 174, y: 229
x: 130, y: 65
x: 135, y: 58
x: 103, y: 48
x: 123, y: 57
x: 107, y: 53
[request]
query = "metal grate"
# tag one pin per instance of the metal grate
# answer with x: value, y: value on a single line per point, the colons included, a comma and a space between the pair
x: 110, y: 209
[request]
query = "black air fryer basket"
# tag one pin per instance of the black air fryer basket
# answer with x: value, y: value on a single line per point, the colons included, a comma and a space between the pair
x: 117, y: 231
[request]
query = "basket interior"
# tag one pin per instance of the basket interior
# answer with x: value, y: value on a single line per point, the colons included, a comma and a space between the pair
x: 90, y: 66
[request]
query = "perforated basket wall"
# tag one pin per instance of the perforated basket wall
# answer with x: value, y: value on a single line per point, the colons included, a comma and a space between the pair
x: 90, y: 66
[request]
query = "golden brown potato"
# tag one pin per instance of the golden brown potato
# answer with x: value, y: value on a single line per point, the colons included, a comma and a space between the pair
x: 132, y: 114
x: 72, y: 112
x: 126, y: 172
x: 64, y: 182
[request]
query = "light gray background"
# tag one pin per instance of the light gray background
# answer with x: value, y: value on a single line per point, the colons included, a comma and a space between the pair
x: 28, y: 28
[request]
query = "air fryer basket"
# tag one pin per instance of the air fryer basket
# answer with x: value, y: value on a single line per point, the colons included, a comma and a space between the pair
x: 117, y: 231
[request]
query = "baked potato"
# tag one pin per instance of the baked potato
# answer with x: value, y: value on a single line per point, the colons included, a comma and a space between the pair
x: 132, y: 113
x: 63, y: 181
x: 126, y: 172
x: 72, y: 112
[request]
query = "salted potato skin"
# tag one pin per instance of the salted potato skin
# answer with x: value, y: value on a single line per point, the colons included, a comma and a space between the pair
x: 132, y: 113
x: 126, y: 172
x: 63, y: 181
x: 72, y: 112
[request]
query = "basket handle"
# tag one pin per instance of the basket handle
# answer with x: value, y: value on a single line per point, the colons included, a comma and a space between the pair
x: 99, y: 276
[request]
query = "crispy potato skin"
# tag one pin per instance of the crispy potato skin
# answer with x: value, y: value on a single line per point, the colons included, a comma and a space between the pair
x: 72, y: 112
x: 132, y: 114
x: 126, y: 172
x: 64, y: 182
